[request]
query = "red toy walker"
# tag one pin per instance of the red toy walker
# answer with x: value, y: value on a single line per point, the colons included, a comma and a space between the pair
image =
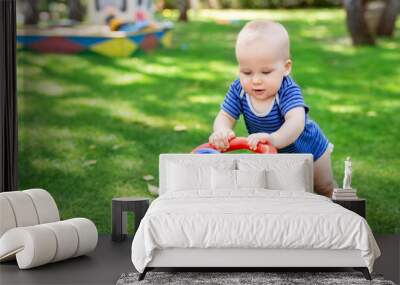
x: 235, y: 144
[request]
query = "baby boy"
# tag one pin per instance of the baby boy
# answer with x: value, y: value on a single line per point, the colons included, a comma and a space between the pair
x: 271, y: 102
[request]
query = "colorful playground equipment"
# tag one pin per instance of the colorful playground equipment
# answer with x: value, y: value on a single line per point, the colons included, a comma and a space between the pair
x: 115, y: 28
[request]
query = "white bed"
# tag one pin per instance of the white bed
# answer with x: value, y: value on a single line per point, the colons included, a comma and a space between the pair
x: 201, y: 219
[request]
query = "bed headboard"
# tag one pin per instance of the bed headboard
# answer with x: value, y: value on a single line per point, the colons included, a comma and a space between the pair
x: 269, y: 159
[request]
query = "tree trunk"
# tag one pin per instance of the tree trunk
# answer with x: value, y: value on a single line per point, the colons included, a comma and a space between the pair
x: 387, y: 21
x: 356, y: 24
x: 214, y: 4
x: 31, y: 14
x: 183, y: 6
x: 76, y: 11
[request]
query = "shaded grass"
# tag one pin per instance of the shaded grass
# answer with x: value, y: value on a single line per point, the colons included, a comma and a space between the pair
x: 90, y: 127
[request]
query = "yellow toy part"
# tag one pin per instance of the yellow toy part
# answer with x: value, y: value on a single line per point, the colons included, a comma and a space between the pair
x: 166, y: 39
x: 118, y: 47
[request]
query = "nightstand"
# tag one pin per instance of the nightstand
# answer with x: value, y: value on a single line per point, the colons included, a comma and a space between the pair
x: 122, y: 205
x: 355, y: 205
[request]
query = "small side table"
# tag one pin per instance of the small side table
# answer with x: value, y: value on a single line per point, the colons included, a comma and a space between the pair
x: 120, y: 206
x: 355, y: 205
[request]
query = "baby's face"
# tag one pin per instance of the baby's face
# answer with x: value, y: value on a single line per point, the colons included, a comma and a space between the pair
x: 261, y: 70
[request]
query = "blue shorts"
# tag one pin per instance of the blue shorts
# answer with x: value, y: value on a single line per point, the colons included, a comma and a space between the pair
x: 311, y: 140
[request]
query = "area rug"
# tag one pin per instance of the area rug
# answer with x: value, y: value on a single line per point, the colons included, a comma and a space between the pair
x: 243, y: 278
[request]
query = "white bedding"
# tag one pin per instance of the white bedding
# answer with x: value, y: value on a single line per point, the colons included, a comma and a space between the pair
x: 252, y: 218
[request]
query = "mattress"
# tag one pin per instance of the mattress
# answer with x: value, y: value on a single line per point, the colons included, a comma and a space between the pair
x: 250, y: 219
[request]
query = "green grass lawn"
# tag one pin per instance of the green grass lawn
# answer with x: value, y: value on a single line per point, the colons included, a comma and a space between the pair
x: 91, y: 127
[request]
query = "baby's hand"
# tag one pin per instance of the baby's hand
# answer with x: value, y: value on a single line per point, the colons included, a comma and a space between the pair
x: 220, y: 139
x: 254, y: 139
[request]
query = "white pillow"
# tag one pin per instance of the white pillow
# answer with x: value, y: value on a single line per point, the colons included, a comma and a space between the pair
x: 191, y: 175
x: 281, y: 174
x: 181, y: 177
x: 291, y: 180
x: 225, y: 179
x: 251, y: 178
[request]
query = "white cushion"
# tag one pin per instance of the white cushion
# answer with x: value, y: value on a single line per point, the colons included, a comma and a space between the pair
x: 40, y: 244
x: 23, y: 208
x: 226, y: 179
x: 7, y: 220
x: 186, y: 175
x: 281, y: 175
x: 45, y: 205
x: 26, y: 208
x: 87, y: 233
x: 223, y: 179
x: 183, y: 178
x: 291, y: 180
x: 251, y: 178
x: 67, y: 240
x: 246, y: 161
x: 32, y: 246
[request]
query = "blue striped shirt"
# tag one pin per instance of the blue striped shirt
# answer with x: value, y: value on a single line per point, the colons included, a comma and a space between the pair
x: 237, y: 102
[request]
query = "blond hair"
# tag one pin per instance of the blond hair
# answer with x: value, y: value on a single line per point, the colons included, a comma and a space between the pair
x: 271, y: 32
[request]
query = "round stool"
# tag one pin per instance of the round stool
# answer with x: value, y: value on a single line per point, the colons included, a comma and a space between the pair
x: 120, y: 206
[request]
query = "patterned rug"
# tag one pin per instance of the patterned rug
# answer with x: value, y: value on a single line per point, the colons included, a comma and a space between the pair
x: 242, y: 278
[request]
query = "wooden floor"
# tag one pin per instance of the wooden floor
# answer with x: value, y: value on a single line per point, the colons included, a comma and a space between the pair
x: 110, y: 260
